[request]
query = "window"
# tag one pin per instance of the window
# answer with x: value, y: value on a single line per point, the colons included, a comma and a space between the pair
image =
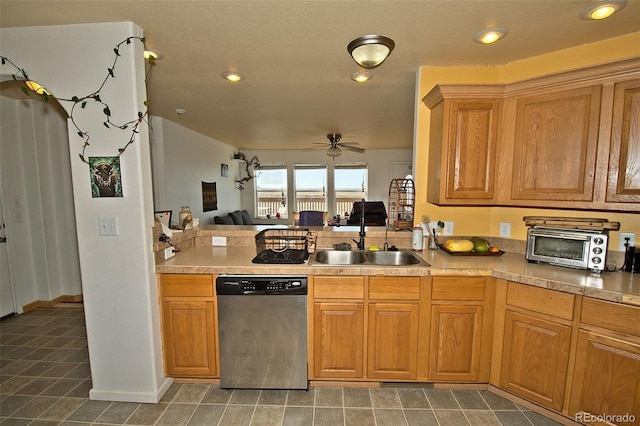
x: 350, y: 183
x: 271, y: 191
x: 310, y: 185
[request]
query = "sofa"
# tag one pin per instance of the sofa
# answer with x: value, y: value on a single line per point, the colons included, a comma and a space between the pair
x: 237, y: 217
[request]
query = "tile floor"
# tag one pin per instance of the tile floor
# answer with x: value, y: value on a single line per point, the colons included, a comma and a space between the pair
x: 45, y: 380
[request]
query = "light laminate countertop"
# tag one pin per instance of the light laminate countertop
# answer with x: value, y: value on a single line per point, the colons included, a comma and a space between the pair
x: 619, y: 286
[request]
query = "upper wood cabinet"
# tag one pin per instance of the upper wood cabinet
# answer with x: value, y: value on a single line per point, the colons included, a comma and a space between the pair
x: 555, y: 145
x: 624, y: 158
x: 568, y: 140
x: 462, y: 156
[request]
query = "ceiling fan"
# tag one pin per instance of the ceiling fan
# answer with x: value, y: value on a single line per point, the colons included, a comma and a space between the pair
x: 336, y: 147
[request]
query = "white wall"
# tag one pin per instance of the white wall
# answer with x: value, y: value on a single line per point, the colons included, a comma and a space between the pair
x: 119, y: 286
x: 379, y: 163
x: 36, y: 178
x: 182, y: 160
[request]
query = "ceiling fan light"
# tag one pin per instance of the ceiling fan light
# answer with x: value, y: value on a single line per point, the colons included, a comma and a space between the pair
x: 371, y: 50
x: 490, y: 35
x: 602, y: 10
x: 334, y: 152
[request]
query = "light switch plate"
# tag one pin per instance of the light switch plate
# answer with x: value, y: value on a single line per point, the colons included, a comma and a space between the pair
x: 107, y: 225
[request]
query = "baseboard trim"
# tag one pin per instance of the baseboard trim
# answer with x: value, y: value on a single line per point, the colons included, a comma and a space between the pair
x: 66, y: 298
x: 140, y: 397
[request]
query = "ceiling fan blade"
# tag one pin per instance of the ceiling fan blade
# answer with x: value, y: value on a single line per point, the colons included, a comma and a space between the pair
x: 348, y: 143
x: 313, y: 148
x: 352, y: 148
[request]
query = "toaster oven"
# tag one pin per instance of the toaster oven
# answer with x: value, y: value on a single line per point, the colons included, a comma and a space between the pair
x: 574, y: 248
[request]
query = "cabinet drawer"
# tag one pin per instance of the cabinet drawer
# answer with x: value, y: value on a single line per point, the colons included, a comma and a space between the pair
x: 187, y: 285
x: 612, y: 316
x: 405, y: 288
x: 541, y: 300
x: 338, y: 287
x: 457, y: 288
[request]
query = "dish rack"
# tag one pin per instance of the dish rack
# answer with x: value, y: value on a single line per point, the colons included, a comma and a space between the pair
x: 280, y: 240
x: 401, y: 204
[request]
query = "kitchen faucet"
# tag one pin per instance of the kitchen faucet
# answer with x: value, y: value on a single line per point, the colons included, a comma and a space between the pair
x: 362, y: 233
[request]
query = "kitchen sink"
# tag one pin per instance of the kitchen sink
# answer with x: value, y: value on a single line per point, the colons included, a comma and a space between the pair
x: 394, y: 258
x: 338, y: 257
x: 366, y: 258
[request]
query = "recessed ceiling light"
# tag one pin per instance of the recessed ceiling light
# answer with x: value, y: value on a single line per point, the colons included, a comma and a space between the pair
x: 233, y: 76
x: 490, y: 35
x: 152, y: 53
x: 602, y: 10
x: 361, y: 77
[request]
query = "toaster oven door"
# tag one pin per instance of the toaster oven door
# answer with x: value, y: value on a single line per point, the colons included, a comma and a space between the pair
x: 558, y: 247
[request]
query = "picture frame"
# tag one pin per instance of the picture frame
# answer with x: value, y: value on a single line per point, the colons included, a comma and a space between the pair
x: 224, y: 170
x: 209, y: 196
x: 105, y: 177
x: 164, y: 216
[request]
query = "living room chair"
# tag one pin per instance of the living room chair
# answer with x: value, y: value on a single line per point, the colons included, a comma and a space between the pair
x: 309, y: 218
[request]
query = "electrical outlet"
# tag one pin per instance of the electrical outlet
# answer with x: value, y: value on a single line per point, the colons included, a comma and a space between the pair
x: 218, y: 241
x: 169, y: 253
x: 505, y: 229
x: 632, y: 240
x: 107, y: 225
x: 448, y: 228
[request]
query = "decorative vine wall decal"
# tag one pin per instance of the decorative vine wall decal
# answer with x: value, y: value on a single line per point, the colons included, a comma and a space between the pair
x: 80, y: 102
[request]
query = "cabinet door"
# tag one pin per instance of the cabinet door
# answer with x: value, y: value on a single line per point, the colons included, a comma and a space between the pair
x: 468, y: 131
x: 535, y: 358
x: 555, y: 145
x: 624, y: 157
x: 606, y: 377
x: 189, y: 338
x: 338, y: 340
x: 456, y: 338
x: 392, y: 341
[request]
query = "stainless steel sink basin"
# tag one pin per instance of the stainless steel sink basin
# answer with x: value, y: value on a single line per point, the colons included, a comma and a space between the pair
x: 394, y: 258
x: 366, y: 258
x: 338, y: 257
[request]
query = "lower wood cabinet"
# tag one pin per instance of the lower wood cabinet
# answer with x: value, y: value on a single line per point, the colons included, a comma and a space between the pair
x: 460, y: 338
x: 189, y: 325
x: 392, y: 346
x: 456, y: 338
x: 606, y: 378
x: 536, y: 344
x: 338, y: 340
x: 535, y: 359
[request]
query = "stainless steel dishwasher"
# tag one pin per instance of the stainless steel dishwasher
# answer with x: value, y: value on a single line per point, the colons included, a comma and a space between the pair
x: 262, y: 325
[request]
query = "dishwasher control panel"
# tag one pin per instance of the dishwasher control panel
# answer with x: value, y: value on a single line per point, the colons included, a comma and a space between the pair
x: 260, y: 284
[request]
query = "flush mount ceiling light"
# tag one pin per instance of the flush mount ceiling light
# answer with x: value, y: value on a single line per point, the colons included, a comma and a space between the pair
x: 602, y: 10
x: 371, y: 50
x: 490, y: 35
x: 233, y: 76
x: 36, y: 87
x: 361, y: 77
x: 152, y: 54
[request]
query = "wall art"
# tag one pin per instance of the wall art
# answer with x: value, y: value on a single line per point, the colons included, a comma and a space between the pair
x: 105, y: 176
x: 224, y: 170
x: 209, y: 196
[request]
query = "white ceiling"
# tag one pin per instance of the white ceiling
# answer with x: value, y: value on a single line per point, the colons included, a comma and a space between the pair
x: 294, y: 55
